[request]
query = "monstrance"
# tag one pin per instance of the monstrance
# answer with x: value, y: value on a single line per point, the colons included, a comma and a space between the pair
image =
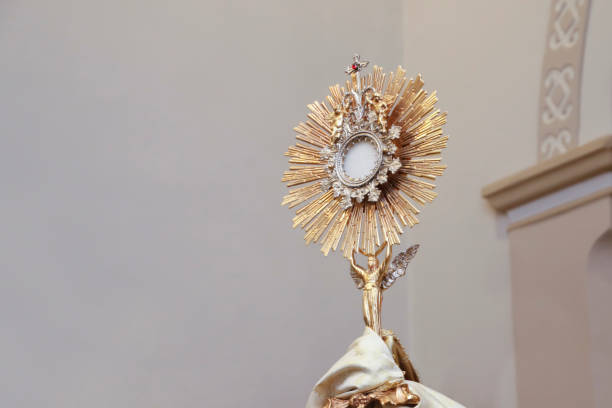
x: 364, y: 160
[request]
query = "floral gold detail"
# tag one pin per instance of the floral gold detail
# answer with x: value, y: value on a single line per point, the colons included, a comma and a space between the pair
x: 391, y: 394
x: 396, y: 121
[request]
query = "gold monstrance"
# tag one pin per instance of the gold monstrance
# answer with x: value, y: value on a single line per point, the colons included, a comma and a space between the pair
x: 363, y: 162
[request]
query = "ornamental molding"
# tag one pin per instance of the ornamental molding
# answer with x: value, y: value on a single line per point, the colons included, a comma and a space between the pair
x: 559, y: 116
x: 564, y: 170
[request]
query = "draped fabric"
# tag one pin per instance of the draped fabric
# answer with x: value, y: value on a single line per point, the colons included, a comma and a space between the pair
x: 368, y: 366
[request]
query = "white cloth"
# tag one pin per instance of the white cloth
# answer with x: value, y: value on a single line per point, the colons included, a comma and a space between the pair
x: 368, y: 364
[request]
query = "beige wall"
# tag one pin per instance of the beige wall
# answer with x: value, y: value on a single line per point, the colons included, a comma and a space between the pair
x: 485, y: 59
x: 596, y: 101
x: 599, y: 288
x: 553, y: 288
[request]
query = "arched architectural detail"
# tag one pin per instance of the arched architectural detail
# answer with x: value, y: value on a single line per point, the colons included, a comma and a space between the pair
x: 560, y: 215
x: 599, y: 289
x: 559, y: 107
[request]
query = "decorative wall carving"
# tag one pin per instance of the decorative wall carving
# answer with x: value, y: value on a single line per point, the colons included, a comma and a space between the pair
x: 558, y: 92
x: 559, y: 116
x: 566, y: 24
x: 553, y: 145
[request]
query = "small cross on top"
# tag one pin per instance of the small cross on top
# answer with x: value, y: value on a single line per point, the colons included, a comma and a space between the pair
x: 356, y: 66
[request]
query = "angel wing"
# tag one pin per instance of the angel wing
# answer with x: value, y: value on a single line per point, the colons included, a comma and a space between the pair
x: 357, y: 279
x: 398, y: 266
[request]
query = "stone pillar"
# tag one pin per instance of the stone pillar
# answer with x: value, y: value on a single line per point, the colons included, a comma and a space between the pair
x: 560, y: 218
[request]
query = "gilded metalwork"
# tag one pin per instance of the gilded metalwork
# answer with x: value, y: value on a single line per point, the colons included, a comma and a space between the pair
x: 402, y: 117
x: 387, y: 395
x: 370, y: 280
x: 376, y: 278
x: 394, y: 121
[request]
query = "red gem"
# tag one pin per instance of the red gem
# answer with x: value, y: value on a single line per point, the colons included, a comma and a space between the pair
x: 354, y: 66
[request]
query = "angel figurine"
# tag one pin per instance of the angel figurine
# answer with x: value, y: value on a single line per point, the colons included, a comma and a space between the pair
x: 377, y: 278
x: 376, y: 371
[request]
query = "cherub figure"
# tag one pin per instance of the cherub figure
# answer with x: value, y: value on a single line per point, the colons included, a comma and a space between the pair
x: 336, y: 120
x: 379, y: 105
x: 377, y: 278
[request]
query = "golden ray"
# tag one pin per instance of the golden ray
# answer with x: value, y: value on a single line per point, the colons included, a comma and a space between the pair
x: 315, y: 229
x: 309, y: 211
x: 319, y: 119
x: 378, y: 78
x: 395, y: 86
x: 426, y: 168
x: 406, y: 101
x: 334, y: 233
x: 391, y: 229
x: 415, y: 115
x: 371, y: 239
x: 336, y: 95
x: 300, y: 175
x: 353, y: 233
x: 301, y: 194
x: 309, y: 134
x: 401, y: 207
x: 418, y: 190
x: 301, y: 154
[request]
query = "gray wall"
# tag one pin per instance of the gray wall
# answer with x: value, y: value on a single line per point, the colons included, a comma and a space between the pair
x: 145, y: 258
